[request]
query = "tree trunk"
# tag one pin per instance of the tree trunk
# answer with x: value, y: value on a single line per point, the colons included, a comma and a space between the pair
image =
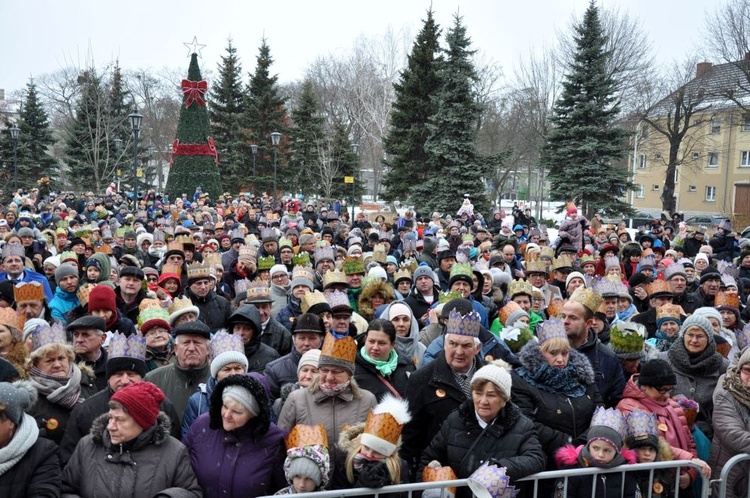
x: 668, y: 201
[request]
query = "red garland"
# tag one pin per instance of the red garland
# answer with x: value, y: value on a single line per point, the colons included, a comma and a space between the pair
x: 194, y: 150
x: 194, y: 90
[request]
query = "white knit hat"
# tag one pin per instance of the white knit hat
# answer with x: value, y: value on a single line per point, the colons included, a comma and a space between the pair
x: 572, y: 275
x: 278, y: 269
x: 226, y: 358
x: 310, y: 358
x: 497, y: 373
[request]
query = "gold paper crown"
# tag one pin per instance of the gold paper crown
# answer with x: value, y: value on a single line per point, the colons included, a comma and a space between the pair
x: 104, y: 249
x: 171, y: 269
x: 9, y: 318
x: 332, y: 277
x: 562, y: 262
x: 385, y: 423
x: 435, y: 474
x: 518, y: 287
x: 353, y: 266
x: 258, y: 291
x: 344, y: 349
x: 673, y: 311
x: 554, y: 308
x: 548, y: 253
x: 175, y: 246
x: 410, y: 264
x: 68, y: 256
x: 306, y: 435
x: 248, y: 252
x: 311, y: 299
x: 198, y: 271
x: 379, y: 254
x: 185, y: 240
x: 83, y: 294
x: 266, y: 263
x: 588, y: 298
x: 727, y: 299
x: 587, y: 259
x: 149, y: 303
x: 403, y: 273
x: 537, y: 266
x: 28, y: 291
x: 659, y: 287
x: 179, y: 304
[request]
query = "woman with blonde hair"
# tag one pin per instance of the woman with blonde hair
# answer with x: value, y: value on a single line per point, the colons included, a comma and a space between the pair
x: 12, y: 346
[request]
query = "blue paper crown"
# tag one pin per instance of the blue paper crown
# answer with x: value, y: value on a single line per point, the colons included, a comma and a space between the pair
x: 468, y: 324
x: 44, y: 334
x: 490, y: 481
x: 606, y: 287
x: 612, y: 418
x: 550, y: 329
x: 223, y: 342
x: 132, y: 346
x: 641, y: 422
x: 14, y: 250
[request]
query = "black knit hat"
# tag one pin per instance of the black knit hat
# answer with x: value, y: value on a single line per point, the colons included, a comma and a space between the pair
x: 643, y: 441
x: 657, y: 373
x: 122, y: 363
x: 638, y: 279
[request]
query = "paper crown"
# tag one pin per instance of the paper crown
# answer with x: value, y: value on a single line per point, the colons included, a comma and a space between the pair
x: 171, y: 269
x: 467, y: 325
x: 83, y: 293
x: 332, y: 277
x: 641, y: 423
x: 28, y: 291
x: 728, y: 281
x: 385, y: 423
x: 258, y: 292
x: 149, y: 303
x: 588, y: 298
x: 266, y: 235
x: 132, y: 346
x: 152, y: 313
x: 673, y: 311
x: 241, y: 285
x: 353, y: 266
x: 658, y: 287
x: 606, y: 287
x: 248, y: 253
x: 312, y: 299
x: 120, y: 231
x: 159, y: 235
x: 562, y: 262
x: 437, y: 474
x: 408, y: 244
x: 179, y: 304
x: 587, y: 259
x: 305, y: 272
x: 410, y: 264
x: 536, y: 266
x: 547, y: 253
x: 612, y: 418
x: 627, y: 339
x: 338, y: 299
x: 104, y: 249
x: 673, y: 269
x: 516, y: 337
x: 379, y: 253
x: 175, y: 246
x: 552, y: 328
x: 186, y: 241
x: 306, y: 435
x: 14, y: 250
x: 266, y: 262
x: 727, y: 269
x: 727, y: 299
x: 323, y: 253
x: 223, y: 342
x: 647, y: 262
x: 444, y: 297
x: 611, y: 262
x: 197, y: 271
x: 402, y: 274
x: 490, y: 481
x: 10, y: 318
x: 301, y: 259
x: 68, y: 256
x: 43, y: 334
x: 509, y: 309
x: 344, y: 349
x: 461, y: 269
x: 285, y: 242
x: 554, y: 308
x: 519, y: 287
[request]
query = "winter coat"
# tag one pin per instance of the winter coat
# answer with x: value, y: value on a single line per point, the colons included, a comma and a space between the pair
x: 559, y: 419
x: 83, y: 415
x: 241, y: 463
x: 610, y: 381
x: 99, y: 366
x: 663, y: 481
x: 572, y: 230
x: 364, y: 304
x: 62, y: 303
x: 258, y: 354
x: 36, y: 474
x: 368, y: 378
x: 130, y: 310
x: 289, y: 313
x: 29, y: 276
x: 279, y: 296
x: 178, y: 383
x: 214, y: 309
x: 152, y: 464
x: 510, y: 441
x: 198, y: 404
x: 277, y: 337
x: 282, y: 371
x: 607, y: 485
x: 731, y: 422
x: 419, y: 307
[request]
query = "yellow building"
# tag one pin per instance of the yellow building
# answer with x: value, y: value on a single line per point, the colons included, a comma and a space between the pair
x: 713, y: 162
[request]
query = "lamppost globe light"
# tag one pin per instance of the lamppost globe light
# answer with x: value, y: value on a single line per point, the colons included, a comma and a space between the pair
x: 118, y: 143
x: 355, y: 152
x: 14, y: 133
x: 275, y: 139
x: 135, y: 118
x: 135, y: 123
x: 254, y: 149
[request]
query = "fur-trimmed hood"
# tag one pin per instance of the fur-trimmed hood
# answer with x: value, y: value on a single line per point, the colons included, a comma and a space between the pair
x: 364, y: 303
x: 258, y: 426
x: 531, y: 359
x: 154, y: 435
x: 567, y: 456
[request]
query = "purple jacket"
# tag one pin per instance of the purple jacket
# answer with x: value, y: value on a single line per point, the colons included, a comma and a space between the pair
x: 231, y: 465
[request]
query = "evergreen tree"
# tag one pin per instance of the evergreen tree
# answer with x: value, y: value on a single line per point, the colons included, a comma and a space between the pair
x: 306, y: 138
x: 117, y: 111
x: 344, y: 163
x: 412, y: 109
x: 584, y: 146
x: 194, y: 159
x: 226, y: 109
x: 265, y: 113
x: 452, y: 156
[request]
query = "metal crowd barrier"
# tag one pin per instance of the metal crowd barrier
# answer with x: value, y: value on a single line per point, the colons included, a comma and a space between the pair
x: 397, y: 488
x: 722, y: 480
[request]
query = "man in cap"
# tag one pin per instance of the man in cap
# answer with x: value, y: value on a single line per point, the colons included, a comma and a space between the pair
x: 214, y: 309
x: 88, y: 345
x: 710, y: 284
x: 129, y: 292
x: 191, y: 366
x: 66, y: 297
x: 13, y: 269
x: 429, y: 252
x: 446, y: 259
x: 246, y: 322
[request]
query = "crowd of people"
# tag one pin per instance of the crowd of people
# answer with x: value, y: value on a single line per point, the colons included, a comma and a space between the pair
x: 246, y: 346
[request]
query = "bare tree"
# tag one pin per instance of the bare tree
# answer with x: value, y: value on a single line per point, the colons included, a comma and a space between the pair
x: 728, y: 39
x: 328, y: 168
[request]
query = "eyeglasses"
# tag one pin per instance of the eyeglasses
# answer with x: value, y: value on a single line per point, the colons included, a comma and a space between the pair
x: 696, y: 337
x: 333, y: 371
x: 280, y: 276
x: 664, y: 389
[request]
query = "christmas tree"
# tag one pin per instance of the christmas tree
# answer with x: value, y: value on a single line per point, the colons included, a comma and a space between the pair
x: 195, y: 160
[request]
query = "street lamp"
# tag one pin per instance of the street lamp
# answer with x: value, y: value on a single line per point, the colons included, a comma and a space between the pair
x: 275, y: 139
x: 135, y: 123
x: 14, y: 132
x: 118, y: 146
x: 254, y: 150
x: 355, y: 152
x: 150, y: 151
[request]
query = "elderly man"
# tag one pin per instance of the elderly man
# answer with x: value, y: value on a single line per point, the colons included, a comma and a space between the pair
x: 214, y: 309
x: 274, y: 334
x: 246, y: 322
x: 536, y: 273
x: 438, y: 388
x: 13, y: 269
x: 88, y: 345
x: 182, y: 378
x: 710, y: 283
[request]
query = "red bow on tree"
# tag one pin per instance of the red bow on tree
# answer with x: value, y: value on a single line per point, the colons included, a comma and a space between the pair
x: 194, y: 91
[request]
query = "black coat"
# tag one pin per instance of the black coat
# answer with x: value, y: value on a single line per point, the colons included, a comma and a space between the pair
x: 214, y: 310
x: 366, y: 376
x: 510, y: 441
x: 419, y: 307
x: 37, y: 474
x: 282, y: 371
x: 610, y: 381
x: 277, y: 337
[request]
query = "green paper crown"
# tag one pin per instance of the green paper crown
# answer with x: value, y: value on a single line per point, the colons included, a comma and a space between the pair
x: 353, y: 266
x: 266, y: 263
x: 627, y: 339
x: 462, y: 269
x: 516, y: 337
x: 444, y: 297
x: 301, y: 259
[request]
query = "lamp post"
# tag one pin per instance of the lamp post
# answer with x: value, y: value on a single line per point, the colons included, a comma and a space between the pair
x: 151, y: 150
x: 355, y: 151
x: 254, y: 150
x: 14, y: 132
x: 135, y: 123
x: 275, y: 139
x: 118, y: 146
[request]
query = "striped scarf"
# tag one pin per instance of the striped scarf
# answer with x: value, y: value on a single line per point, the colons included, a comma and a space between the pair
x: 63, y: 390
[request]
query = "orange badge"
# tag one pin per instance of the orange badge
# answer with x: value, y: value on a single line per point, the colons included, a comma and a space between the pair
x: 440, y: 393
x: 52, y: 424
x: 663, y: 427
x: 658, y: 488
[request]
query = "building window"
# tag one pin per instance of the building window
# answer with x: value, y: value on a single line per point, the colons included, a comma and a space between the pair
x: 710, y: 194
x: 715, y: 126
x: 639, y: 191
x: 644, y: 131
x: 642, y: 161
x: 745, y: 159
x: 713, y: 160
x: 746, y: 122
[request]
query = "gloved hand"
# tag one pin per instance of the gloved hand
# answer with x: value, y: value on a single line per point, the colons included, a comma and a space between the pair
x: 373, y: 475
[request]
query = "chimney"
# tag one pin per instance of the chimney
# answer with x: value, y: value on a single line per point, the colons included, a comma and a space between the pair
x: 2, y: 94
x: 702, y: 68
x: 747, y: 56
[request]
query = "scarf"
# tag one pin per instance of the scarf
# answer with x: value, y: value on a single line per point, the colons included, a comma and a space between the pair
x: 555, y: 380
x: 624, y: 315
x: 359, y: 461
x: 706, y: 362
x: 387, y: 367
x: 664, y: 341
x: 26, y: 435
x: 585, y: 459
x: 734, y: 386
x: 60, y: 390
x: 331, y: 391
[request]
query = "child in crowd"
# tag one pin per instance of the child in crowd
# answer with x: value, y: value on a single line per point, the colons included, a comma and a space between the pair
x: 643, y: 438
x: 308, y: 465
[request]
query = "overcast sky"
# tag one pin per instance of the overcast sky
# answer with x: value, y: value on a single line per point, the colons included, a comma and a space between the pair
x: 39, y: 37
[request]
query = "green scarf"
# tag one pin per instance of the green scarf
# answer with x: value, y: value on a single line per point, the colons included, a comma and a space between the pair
x: 386, y: 368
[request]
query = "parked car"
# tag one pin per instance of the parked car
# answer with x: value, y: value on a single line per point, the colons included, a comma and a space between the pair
x: 641, y: 219
x: 708, y: 221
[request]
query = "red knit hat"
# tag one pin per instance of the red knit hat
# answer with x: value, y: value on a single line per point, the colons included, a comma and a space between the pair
x: 102, y: 297
x: 142, y: 401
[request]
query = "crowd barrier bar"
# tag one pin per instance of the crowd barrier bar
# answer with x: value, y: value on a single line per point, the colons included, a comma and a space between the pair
x: 722, y: 480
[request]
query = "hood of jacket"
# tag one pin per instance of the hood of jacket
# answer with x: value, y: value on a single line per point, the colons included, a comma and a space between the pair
x: 105, y: 264
x: 70, y: 297
x: 408, y: 345
x: 247, y: 313
x: 364, y: 304
x: 153, y: 435
x: 568, y: 455
x: 531, y: 358
x: 258, y: 426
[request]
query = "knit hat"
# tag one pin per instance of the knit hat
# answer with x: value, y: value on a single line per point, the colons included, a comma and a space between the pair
x: 709, y: 274
x: 278, y: 269
x: 424, y: 271
x: 397, y: 309
x: 65, y: 271
x: 31, y: 324
x: 497, y: 373
x: 304, y: 467
x: 243, y: 397
x: 510, y: 313
x: 572, y: 275
x: 608, y: 425
x: 657, y: 373
x: 142, y: 401
x: 744, y: 358
x: 17, y: 398
x: 310, y: 358
x: 699, y: 320
x: 226, y: 349
x: 708, y: 312
x: 700, y: 256
x: 102, y: 297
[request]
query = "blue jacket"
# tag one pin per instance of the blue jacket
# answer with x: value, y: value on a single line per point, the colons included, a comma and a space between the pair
x: 197, y: 405
x: 62, y: 303
x: 478, y: 307
x: 32, y: 276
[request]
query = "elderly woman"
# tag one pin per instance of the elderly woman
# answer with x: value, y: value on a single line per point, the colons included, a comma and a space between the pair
x: 235, y: 450
x: 555, y: 388
x: 697, y: 366
x: 380, y: 368
x: 731, y: 422
x: 12, y: 347
x: 61, y: 383
x: 668, y: 323
x: 29, y: 465
x: 129, y: 452
x: 488, y: 427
